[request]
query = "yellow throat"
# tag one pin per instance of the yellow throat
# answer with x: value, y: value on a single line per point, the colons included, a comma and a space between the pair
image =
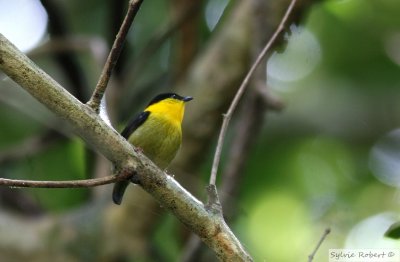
x: 170, y: 108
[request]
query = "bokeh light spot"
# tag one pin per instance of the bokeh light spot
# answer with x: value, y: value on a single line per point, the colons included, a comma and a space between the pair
x: 23, y: 22
x: 369, y: 233
x: 392, y: 44
x: 384, y: 159
x: 214, y: 11
x: 279, y: 218
x: 301, y: 56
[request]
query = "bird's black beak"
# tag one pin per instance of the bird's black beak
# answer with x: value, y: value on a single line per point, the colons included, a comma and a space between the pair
x: 187, y: 98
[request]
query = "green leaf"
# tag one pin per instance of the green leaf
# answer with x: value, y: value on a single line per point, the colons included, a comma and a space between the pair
x: 393, y: 231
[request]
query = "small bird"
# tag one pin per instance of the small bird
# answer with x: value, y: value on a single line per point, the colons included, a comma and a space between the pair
x: 157, y: 132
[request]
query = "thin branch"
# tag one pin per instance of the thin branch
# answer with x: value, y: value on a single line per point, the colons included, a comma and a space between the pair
x: 246, y: 132
x: 101, y: 86
x: 323, y: 237
x: 242, y: 88
x: 84, y: 183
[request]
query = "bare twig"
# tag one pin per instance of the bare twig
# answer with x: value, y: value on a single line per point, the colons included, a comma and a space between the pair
x: 242, y: 88
x: 323, y: 237
x: 246, y: 133
x: 65, y: 183
x: 101, y: 86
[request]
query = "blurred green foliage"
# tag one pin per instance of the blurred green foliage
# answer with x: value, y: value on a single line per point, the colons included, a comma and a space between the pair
x: 64, y: 161
x: 309, y: 169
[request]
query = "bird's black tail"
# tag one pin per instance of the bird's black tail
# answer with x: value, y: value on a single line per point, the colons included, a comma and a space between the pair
x: 118, y: 191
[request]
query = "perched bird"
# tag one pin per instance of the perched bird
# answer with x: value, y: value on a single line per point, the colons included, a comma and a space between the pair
x: 157, y: 132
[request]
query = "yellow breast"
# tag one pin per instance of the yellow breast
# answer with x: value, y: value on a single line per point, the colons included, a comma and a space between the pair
x: 160, y: 135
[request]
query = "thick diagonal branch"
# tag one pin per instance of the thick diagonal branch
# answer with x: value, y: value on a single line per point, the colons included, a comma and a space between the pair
x: 209, y: 227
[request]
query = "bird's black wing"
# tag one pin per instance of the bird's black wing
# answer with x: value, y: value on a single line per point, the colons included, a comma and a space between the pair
x: 119, y: 187
x: 134, y: 124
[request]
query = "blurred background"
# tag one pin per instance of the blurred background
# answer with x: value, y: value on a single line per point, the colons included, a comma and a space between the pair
x: 314, y: 144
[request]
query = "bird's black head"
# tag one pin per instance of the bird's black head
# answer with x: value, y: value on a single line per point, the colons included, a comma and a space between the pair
x: 161, y: 97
